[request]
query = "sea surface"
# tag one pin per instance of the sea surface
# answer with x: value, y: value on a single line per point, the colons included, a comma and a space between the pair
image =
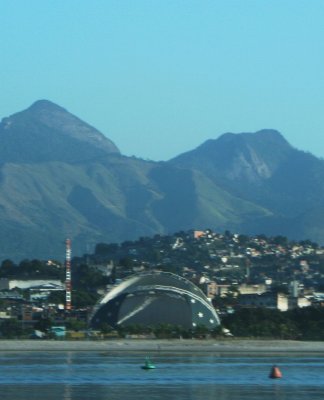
x: 104, y: 376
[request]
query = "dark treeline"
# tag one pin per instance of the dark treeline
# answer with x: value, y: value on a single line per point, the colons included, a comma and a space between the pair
x: 297, y: 324
x: 32, y: 269
x: 260, y: 323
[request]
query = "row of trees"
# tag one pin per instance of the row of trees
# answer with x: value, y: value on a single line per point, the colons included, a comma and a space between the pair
x: 15, y: 329
x: 298, y: 324
x: 31, y: 269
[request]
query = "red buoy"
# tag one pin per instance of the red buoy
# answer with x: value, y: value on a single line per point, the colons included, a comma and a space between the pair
x: 275, y: 372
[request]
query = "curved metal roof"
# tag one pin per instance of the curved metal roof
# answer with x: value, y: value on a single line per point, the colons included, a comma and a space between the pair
x: 134, y: 300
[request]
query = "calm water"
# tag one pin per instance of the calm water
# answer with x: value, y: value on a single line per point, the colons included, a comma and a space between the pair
x: 83, y: 376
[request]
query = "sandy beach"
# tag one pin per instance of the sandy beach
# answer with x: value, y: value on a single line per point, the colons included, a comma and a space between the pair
x: 251, y: 347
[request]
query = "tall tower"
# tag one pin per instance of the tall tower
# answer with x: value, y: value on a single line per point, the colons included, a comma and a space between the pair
x: 68, y: 286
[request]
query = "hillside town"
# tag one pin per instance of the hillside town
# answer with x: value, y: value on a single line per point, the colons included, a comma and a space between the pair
x: 236, y: 272
x: 250, y: 269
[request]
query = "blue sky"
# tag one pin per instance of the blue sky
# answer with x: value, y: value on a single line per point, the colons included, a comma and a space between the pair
x: 161, y: 77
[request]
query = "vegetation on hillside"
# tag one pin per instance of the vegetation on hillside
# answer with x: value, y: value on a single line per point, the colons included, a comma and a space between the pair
x: 223, y: 258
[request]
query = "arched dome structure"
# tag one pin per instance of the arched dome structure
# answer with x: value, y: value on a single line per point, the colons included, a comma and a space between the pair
x: 155, y: 298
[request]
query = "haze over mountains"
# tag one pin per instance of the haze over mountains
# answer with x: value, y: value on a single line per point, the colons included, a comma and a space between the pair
x: 60, y: 177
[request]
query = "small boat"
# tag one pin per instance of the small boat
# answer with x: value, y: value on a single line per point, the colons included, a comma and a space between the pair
x: 148, y: 364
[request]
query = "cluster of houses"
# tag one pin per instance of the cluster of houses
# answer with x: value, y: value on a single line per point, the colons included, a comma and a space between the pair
x: 26, y: 300
x: 299, y: 266
x: 261, y: 295
x: 240, y: 271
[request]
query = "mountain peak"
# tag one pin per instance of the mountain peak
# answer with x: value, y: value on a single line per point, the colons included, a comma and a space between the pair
x: 266, y: 136
x: 249, y: 157
x: 42, y: 103
x: 48, y: 132
x: 45, y: 105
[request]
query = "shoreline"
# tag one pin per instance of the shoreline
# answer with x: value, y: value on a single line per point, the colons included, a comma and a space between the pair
x: 230, y: 347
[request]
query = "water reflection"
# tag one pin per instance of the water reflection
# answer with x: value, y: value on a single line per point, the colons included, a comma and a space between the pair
x: 75, y: 376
